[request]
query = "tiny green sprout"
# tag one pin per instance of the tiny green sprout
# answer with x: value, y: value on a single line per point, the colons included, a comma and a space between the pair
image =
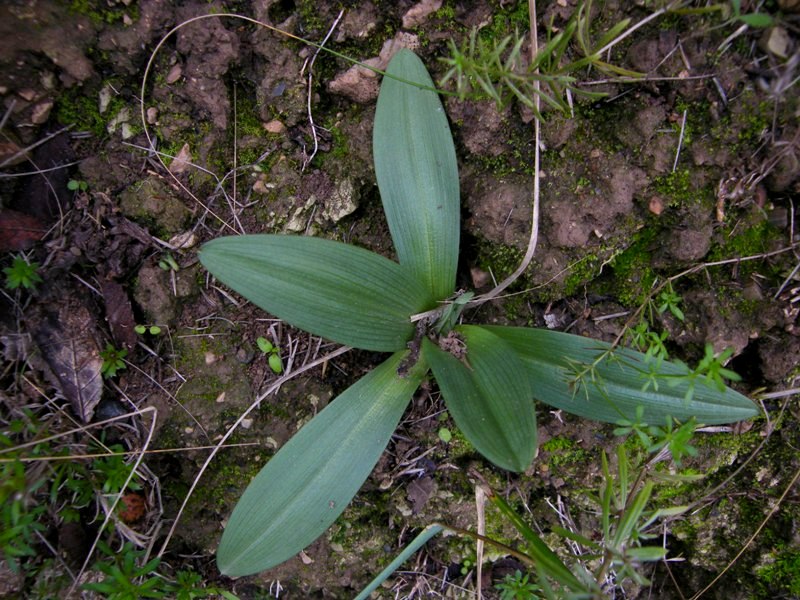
x: 756, y: 19
x: 517, y: 587
x: 76, y: 185
x: 113, y: 361
x: 452, y: 312
x: 669, y: 299
x: 265, y: 345
x: 274, y: 358
x: 637, y: 426
x: 275, y: 363
x: 445, y: 435
x: 21, y: 273
x: 151, y: 329
x: 677, y: 440
x: 466, y: 566
x: 711, y: 367
x: 167, y: 263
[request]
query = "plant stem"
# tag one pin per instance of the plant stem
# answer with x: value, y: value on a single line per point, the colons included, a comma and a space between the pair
x: 534, y: 237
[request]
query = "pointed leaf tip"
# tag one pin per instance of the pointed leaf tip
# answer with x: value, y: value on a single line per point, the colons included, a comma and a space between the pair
x: 415, y: 164
x: 488, y: 395
x: 612, y: 389
x: 334, y: 290
x: 305, y: 487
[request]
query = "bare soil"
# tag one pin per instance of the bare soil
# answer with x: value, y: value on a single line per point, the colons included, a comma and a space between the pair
x: 695, y: 169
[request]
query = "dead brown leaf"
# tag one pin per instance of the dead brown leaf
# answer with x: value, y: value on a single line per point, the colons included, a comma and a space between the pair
x: 419, y: 491
x: 182, y: 162
x: 63, y: 326
x: 19, y: 231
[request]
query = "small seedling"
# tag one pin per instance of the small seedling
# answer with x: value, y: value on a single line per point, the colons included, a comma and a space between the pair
x: 676, y: 439
x: 112, y: 472
x: 517, y: 587
x: 19, y: 518
x: 124, y: 578
x: 711, y: 370
x: 151, y: 329
x: 113, y: 361
x: 452, y: 312
x: 668, y: 300
x: 445, y: 435
x: 167, y: 263
x: 22, y: 273
x: 273, y: 354
x: 76, y: 185
x: 755, y: 19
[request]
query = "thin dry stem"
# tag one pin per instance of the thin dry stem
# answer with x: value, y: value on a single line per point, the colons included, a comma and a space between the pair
x: 36, y: 144
x: 480, y: 507
x: 309, y: 94
x: 680, y: 142
x: 534, y: 236
x: 95, y: 455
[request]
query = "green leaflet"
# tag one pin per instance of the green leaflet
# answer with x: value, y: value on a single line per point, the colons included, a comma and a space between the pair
x: 489, y: 397
x: 340, y: 292
x: 309, y: 482
x: 415, y: 164
x: 614, y: 390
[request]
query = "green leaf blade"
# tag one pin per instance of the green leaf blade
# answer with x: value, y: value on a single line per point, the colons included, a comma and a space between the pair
x: 305, y: 487
x: 340, y: 292
x: 550, y: 358
x: 489, y: 398
x: 545, y: 559
x: 415, y: 164
x: 759, y: 20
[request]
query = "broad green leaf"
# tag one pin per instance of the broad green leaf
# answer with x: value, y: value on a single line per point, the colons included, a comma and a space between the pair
x: 489, y: 397
x: 309, y: 482
x: 614, y: 388
x: 415, y: 164
x: 340, y: 292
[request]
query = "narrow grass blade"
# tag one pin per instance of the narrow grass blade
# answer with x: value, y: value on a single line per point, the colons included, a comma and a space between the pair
x: 417, y: 543
x: 309, y: 482
x: 340, y: 292
x: 547, y: 561
x: 647, y: 553
x: 612, y: 389
x: 415, y: 163
x: 489, y: 397
x: 627, y: 524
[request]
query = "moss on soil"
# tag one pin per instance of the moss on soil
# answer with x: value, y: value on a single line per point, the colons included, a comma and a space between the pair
x: 103, y: 12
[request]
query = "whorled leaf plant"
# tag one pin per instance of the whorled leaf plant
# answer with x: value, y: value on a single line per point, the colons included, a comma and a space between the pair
x: 489, y: 376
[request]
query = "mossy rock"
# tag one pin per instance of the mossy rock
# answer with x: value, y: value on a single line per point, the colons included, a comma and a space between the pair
x: 152, y: 203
